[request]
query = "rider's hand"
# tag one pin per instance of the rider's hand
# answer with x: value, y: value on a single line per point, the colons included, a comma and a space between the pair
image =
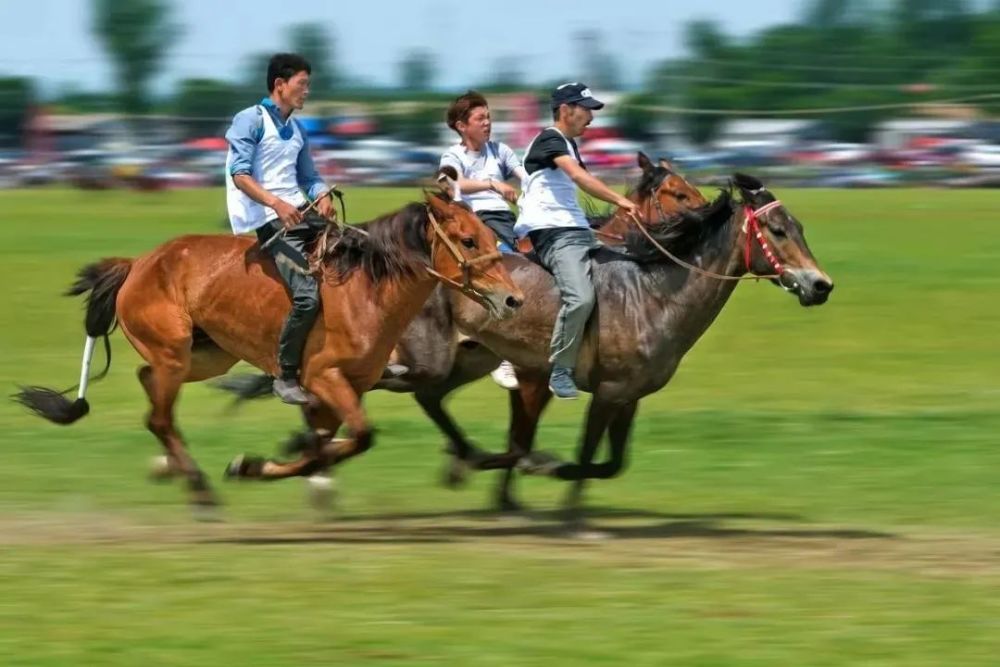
x: 505, y: 191
x: 628, y: 206
x: 324, y: 207
x: 287, y: 214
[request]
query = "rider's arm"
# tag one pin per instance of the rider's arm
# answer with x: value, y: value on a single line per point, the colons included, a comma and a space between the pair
x: 467, y: 185
x: 305, y: 170
x: 589, y: 183
x: 243, y: 136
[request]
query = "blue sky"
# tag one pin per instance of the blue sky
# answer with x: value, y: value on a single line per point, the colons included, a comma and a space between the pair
x: 467, y: 37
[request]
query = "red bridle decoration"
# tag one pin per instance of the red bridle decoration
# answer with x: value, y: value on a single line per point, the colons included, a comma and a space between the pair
x: 753, y: 231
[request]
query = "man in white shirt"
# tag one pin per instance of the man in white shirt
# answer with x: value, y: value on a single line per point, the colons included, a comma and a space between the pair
x: 551, y: 216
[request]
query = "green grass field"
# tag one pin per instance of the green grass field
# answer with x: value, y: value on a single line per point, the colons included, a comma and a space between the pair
x: 816, y: 487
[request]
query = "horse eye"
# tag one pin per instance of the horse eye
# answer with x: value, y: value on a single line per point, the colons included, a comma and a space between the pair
x: 778, y: 232
x: 469, y: 242
x: 681, y: 196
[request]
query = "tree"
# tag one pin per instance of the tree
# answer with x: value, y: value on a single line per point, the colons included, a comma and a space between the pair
x: 318, y: 47
x: 136, y: 34
x: 506, y: 74
x: 207, y: 105
x: 253, y: 83
x: 417, y: 70
x: 600, y: 67
x: 17, y: 96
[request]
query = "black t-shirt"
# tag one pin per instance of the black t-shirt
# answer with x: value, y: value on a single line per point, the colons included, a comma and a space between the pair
x: 546, y: 148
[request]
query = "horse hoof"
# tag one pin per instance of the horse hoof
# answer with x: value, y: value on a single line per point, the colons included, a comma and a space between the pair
x: 588, y: 534
x: 244, y: 467
x: 321, y: 492
x: 206, y: 513
x: 160, y: 469
x: 510, y: 506
x: 456, y: 473
x: 539, y: 463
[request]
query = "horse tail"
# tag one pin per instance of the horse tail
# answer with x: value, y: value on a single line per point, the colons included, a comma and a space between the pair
x: 101, y: 282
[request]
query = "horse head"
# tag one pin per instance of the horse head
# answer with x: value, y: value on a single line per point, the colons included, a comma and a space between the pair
x: 774, y: 244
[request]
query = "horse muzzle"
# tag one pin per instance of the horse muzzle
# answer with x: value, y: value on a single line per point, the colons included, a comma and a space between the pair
x: 811, y: 286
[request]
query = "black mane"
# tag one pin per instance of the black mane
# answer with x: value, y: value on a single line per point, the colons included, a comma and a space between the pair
x: 395, y: 246
x: 681, y: 233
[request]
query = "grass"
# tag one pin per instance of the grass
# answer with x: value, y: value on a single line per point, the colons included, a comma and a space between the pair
x: 814, y: 487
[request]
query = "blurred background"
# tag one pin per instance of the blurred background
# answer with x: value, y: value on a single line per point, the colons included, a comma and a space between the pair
x: 827, y: 93
x: 814, y: 487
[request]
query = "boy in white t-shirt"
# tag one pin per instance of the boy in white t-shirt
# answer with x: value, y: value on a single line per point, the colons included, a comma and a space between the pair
x: 484, y: 167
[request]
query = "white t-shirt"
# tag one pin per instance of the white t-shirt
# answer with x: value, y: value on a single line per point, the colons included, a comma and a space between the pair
x: 496, y: 161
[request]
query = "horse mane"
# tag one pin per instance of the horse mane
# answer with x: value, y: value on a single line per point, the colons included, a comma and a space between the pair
x: 681, y: 233
x: 598, y: 216
x: 394, y: 247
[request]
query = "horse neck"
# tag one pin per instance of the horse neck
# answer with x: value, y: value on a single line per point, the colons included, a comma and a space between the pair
x: 619, y: 223
x: 691, y: 301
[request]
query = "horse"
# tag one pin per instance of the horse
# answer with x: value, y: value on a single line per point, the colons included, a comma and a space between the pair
x: 652, y: 306
x: 440, y: 359
x: 196, y: 305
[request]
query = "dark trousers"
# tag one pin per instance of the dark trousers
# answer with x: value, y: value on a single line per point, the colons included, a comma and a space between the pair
x: 293, y: 267
x: 502, y: 224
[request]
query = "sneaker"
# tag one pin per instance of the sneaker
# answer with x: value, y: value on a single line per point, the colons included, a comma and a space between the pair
x: 561, y: 383
x: 504, y: 375
x: 289, y: 391
x: 392, y: 371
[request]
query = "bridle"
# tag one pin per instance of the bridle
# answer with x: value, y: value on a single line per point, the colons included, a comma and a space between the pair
x: 751, y: 230
x: 465, y: 265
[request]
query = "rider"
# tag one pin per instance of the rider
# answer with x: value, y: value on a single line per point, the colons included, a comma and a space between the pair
x: 551, y: 217
x: 483, y: 167
x: 270, y: 180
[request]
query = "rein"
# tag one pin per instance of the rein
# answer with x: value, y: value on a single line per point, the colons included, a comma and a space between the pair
x: 752, y: 230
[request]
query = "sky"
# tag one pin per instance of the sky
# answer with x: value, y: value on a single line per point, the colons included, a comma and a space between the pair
x: 466, y: 37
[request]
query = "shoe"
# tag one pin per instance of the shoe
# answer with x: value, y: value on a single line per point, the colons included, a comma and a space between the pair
x: 394, y: 371
x: 561, y: 383
x: 504, y: 375
x: 289, y: 391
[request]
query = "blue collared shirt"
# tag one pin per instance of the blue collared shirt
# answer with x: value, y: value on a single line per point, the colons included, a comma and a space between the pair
x: 248, y: 129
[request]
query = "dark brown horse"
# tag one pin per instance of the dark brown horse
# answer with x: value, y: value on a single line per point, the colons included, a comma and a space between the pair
x: 196, y: 305
x: 651, y: 310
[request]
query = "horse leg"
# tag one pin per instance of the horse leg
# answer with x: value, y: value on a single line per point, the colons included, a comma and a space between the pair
x: 337, y: 394
x: 526, y: 407
x: 619, y: 431
x: 460, y: 451
x: 599, y: 415
x: 162, y: 381
x: 322, y: 423
x: 206, y: 361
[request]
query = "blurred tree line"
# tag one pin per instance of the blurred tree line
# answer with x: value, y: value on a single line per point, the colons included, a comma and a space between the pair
x: 840, y: 54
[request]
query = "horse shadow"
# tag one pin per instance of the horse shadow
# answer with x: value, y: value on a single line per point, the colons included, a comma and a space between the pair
x: 448, y: 527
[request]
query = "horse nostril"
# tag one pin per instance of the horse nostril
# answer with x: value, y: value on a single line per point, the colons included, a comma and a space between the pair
x: 822, y: 286
x: 513, y: 302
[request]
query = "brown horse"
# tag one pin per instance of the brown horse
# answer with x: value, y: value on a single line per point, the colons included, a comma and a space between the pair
x: 196, y: 305
x: 440, y: 360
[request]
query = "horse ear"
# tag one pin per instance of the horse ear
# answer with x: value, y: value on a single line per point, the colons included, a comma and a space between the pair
x: 666, y: 164
x: 448, y: 181
x: 644, y: 162
x: 438, y: 201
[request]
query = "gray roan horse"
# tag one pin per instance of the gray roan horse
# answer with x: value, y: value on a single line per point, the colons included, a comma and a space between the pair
x: 651, y: 310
